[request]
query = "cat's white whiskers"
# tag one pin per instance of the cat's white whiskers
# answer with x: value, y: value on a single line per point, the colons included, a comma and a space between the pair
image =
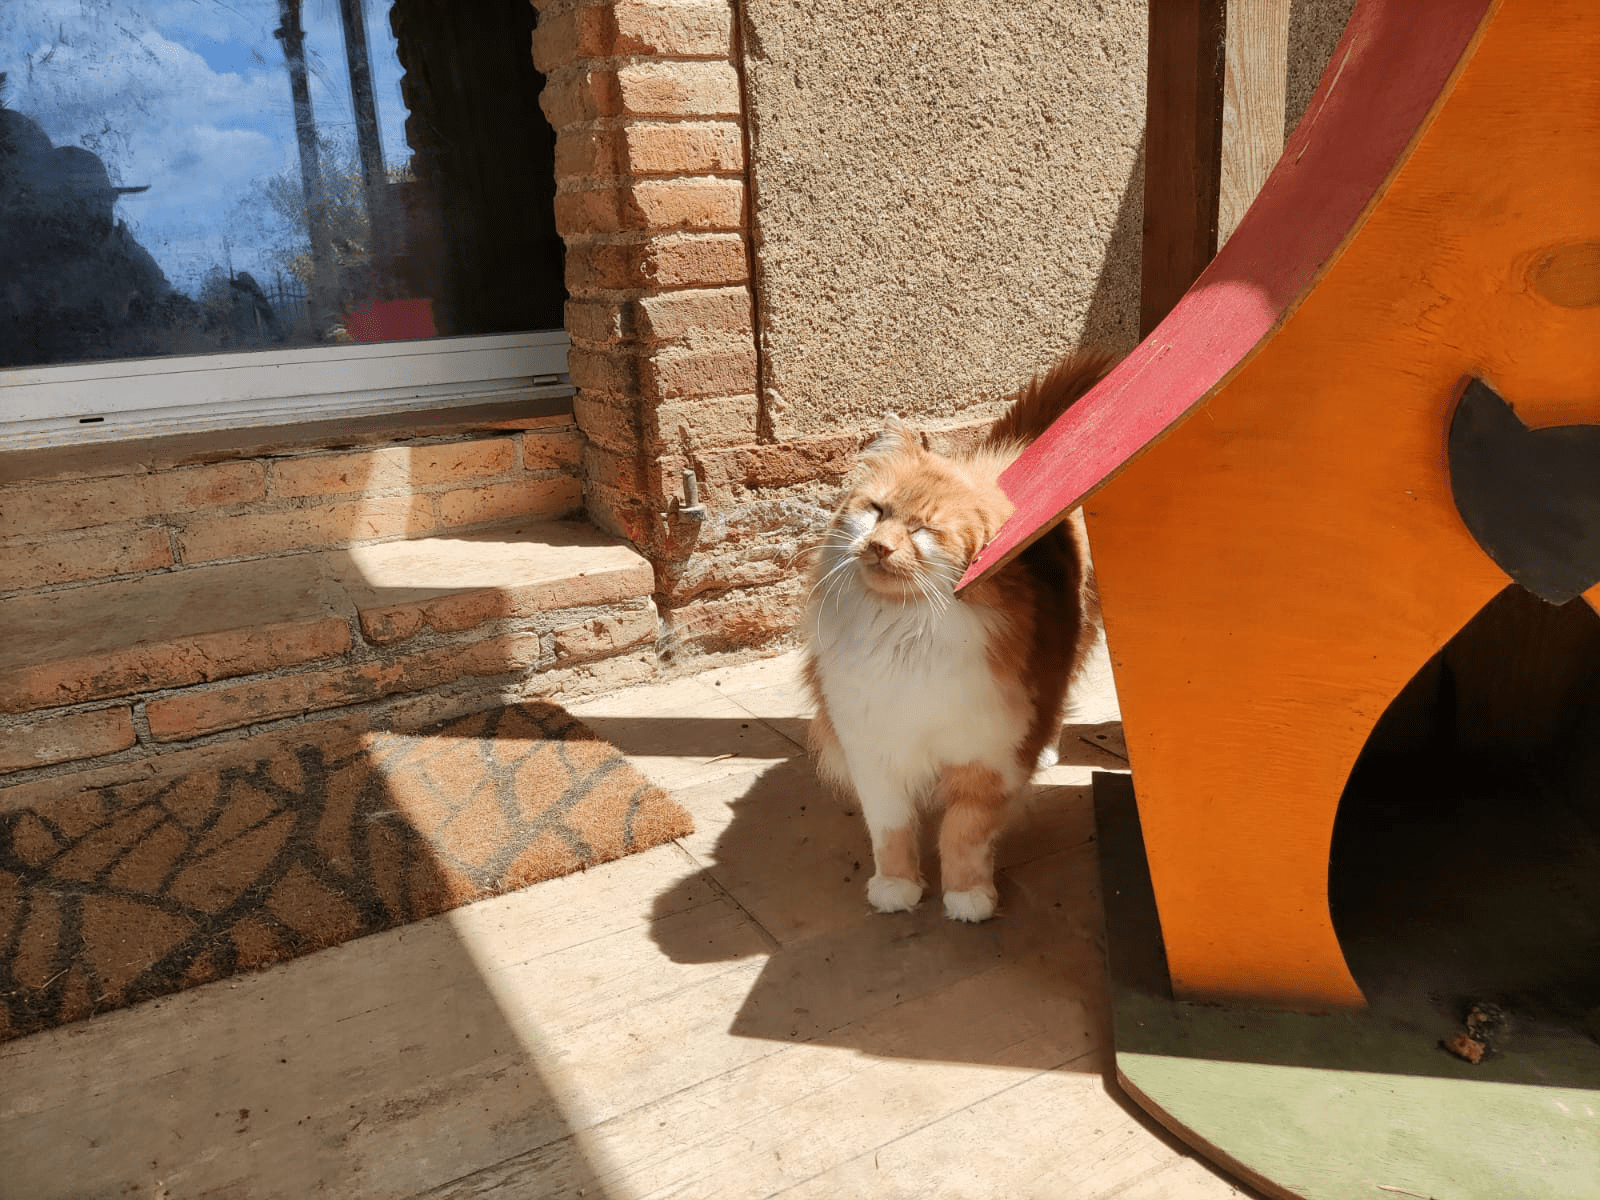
x: 844, y: 561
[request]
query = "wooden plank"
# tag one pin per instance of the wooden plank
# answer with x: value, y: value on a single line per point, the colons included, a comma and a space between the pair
x: 1253, y: 100
x: 1182, y: 150
x: 1381, y: 87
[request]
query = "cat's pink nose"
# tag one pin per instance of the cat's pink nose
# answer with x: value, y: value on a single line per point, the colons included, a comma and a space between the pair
x: 881, y: 549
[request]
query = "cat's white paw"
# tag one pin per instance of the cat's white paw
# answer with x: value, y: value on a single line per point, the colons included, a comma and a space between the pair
x: 974, y: 905
x: 1048, y: 757
x: 888, y: 894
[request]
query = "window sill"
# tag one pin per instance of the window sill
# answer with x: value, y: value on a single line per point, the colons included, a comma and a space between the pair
x: 531, y: 408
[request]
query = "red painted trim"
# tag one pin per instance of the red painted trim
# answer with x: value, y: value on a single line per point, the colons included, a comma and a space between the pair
x: 1388, y: 72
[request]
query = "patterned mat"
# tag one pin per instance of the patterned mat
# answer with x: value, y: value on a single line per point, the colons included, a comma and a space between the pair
x: 124, y: 893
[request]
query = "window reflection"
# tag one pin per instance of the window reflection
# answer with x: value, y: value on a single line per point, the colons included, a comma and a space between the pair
x: 195, y: 176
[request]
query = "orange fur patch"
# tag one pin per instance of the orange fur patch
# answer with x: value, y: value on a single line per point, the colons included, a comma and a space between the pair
x: 974, y: 800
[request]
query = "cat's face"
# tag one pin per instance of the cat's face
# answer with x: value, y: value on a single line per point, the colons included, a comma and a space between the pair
x: 913, y: 521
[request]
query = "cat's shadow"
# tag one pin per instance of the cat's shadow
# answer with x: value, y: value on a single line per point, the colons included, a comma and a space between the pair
x: 1024, y: 990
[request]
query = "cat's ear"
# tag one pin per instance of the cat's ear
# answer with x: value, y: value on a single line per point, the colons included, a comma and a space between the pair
x: 897, y: 438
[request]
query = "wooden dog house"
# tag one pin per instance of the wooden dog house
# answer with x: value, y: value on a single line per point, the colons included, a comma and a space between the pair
x: 1374, y: 411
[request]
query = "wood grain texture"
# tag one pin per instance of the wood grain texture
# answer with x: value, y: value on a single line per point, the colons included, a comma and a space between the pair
x: 1182, y: 150
x: 1277, y: 568
x: 1386, y: 76
x: 1253, y: 102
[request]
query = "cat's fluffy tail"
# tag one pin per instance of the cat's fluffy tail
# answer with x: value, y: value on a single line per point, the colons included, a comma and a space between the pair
x: 1048, y: 396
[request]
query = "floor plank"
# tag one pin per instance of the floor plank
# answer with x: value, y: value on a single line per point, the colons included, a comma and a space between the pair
x: 723, y: 1016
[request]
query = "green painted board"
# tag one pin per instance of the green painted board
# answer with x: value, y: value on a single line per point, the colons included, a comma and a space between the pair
x: 1339, y: 1105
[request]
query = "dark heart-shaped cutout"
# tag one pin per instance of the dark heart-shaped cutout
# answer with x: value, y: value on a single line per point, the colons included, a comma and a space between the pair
x: 1531, y: 497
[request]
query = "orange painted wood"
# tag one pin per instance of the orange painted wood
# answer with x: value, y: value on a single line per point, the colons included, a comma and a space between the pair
x: 1278, y: 566
x: 1385, y: 76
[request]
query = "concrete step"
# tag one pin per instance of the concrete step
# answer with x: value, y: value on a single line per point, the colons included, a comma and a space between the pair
x: 132, y: 667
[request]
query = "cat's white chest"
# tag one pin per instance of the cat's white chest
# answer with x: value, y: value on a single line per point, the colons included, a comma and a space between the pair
x: 909, y: 690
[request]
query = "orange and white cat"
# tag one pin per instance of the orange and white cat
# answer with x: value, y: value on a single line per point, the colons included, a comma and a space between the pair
x: 926, y: 701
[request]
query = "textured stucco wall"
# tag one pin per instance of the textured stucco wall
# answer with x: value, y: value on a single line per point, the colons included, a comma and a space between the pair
x: 1314, y: 30
x: 947, y: 196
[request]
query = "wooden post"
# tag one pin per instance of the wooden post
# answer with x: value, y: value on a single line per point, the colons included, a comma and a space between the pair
x: 1254, y: 99
x: 1183, y: 150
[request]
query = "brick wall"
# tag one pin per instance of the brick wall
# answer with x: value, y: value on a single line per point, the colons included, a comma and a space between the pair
x: 169, y: 603
x: 652, y: 201
x: 75, y: 526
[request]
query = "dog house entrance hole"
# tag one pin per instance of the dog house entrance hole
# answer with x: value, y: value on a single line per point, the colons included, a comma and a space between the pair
x: 1466, y: 853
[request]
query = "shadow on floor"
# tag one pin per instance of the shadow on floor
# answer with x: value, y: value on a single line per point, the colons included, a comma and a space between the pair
x: 1025, y: 990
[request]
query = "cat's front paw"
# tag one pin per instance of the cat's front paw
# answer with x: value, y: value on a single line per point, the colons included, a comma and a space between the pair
x: 889, y: 893
x: 975, y: 905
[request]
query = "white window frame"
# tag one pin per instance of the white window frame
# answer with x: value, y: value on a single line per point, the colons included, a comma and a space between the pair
x: 137, y: 398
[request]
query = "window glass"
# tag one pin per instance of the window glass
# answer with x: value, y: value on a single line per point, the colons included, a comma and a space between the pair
x: 202, y: 176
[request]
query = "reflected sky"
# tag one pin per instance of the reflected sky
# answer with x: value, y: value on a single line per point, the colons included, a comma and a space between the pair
x: 191, y: 97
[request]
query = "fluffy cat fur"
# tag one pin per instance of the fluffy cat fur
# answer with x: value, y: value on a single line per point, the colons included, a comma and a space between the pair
x: 927, y: 702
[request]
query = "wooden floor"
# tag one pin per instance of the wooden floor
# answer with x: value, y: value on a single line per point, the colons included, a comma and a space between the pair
x: 720, y: 1017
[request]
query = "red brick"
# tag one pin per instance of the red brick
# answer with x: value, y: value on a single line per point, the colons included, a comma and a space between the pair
x: 554, y: 497
x: 699, y: 260
x: 94, y: 554
x: 350, y: 472
x: 598, y: 675
x: 601, y: 637
x: 630, y: 370
x: 678, y: 89
x: 449, y: 462
x: 679, y: 147
x: 665, y: 263
x: 191, y: 714
x: 590, y: 153
x: 585, y: 92
x: 675, y: 372
x: 559, y: 39
x: 528, y: 578
x: 339, y: 524
x: 670, y: 316
x: 609, y: 423
x: 177, y: 663
x: 67, y: 738
x: 736, y: 622
x: 614, y: 370
x: 572, y: 97
x: 631, y: 28
x: 601, y: 321
x: 780, y: 464
x: 609, y: 468
x: 701, y: 202
x: 676, y: 30
x: 647, y: 148
x: 623, y: 514
x: 711, y: 572
x: 557, y: 450
x: 211, y: 486
x: 711, y: 421
x: 673, y: 316
x: 76, y: 504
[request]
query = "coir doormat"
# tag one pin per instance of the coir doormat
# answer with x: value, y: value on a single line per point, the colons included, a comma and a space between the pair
x: 124, y: 893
